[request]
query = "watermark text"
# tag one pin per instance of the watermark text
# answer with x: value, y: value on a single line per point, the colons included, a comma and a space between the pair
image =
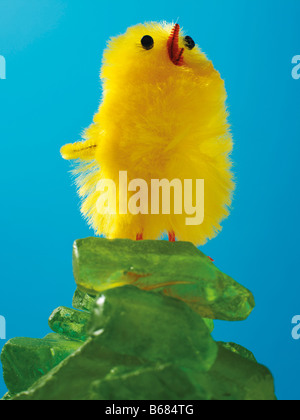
x: 296, y: 68
x: 296, y: 329
x: 160, y: 197
x: 2, y: 328
x: 2, y: 67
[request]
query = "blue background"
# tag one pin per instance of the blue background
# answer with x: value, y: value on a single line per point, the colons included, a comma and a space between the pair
x: 53, y: 51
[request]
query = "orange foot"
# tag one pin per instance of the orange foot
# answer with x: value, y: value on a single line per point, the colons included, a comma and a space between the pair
x: 172, y: 237
x: 139, y: 237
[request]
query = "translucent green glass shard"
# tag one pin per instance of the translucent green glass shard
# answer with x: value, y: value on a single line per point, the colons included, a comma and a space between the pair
x: 168, y: 381
x: 235, y: 378
x: 70, y: 323
x: 210, y: 324
x: 90, y: 374
x: 177, y: 269
x: 83, y: 301
x: 154, y: 327
x: 139, y: 331
x: 25, y: 360
x: 71, y: 379
x: 86, y: 302
x: 231, y: 378
x: 241, y: 351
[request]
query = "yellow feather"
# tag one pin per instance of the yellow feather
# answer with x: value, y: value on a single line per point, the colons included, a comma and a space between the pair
x: 157, y: 120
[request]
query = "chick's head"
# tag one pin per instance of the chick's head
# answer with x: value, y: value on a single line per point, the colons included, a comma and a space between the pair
x: 151, y: 53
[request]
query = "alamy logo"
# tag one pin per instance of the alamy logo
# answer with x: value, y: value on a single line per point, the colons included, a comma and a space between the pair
x: 296, y: 329
x: 161, y: 197
x: 2, y: 68
x: 2, y: 328
x: 296, y: 68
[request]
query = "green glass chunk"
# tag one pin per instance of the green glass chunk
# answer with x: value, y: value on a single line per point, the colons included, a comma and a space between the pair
x: 210, y: 324
x: 235, y: 378
x: 163, y: 382
x: 236, y: 348
x: 83, y: 301
x: 7, y: 397
x: 177, y: 269
x: 141, y: 331
x: 71, y: 380
x: 70, y: 323
x: 97, y: 373
x: 231, y: 378
x: 25, y: 360
x: 154, y: 327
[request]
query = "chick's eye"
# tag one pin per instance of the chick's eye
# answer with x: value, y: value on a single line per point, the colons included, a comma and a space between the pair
x: 147, y: 42
x: 189, y: 42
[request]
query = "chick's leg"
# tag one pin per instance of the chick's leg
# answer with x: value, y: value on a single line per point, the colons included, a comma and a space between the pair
x: 81, y: 150
x: 172, y: 237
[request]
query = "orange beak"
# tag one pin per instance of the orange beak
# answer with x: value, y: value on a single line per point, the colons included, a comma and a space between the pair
x: 175, y: 53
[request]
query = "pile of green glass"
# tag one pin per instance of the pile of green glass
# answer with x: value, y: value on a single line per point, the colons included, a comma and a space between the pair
x: 140, y: 330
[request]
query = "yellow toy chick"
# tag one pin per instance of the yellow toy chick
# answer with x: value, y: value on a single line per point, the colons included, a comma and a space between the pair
x: 163, y: 116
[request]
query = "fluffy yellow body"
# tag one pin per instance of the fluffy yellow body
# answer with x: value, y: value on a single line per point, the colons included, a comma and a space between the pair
x: 157, y: 120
